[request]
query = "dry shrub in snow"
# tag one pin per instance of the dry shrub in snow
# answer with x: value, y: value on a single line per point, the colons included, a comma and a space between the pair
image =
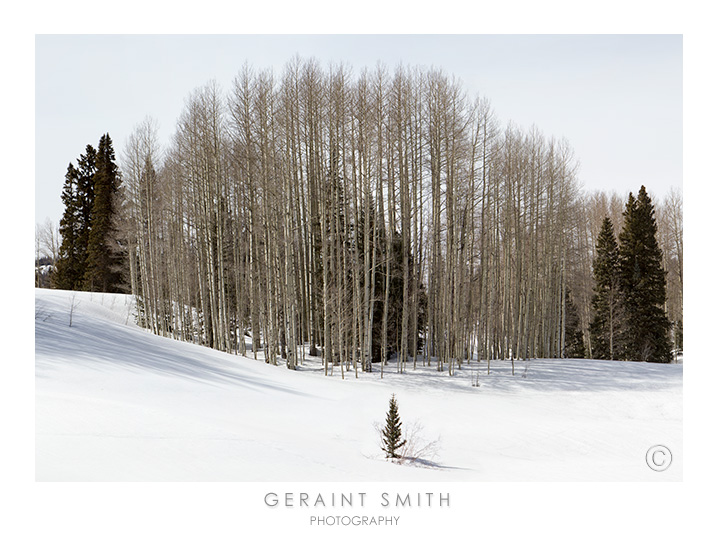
x: 417, y: 450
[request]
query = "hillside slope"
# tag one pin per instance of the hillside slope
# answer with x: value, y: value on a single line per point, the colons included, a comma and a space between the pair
x: 114, y: 403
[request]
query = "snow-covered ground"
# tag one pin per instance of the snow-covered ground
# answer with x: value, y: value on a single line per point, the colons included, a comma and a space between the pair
x: 115, y: 403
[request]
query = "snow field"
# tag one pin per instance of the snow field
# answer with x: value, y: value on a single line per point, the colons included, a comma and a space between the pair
x: 117, y: 403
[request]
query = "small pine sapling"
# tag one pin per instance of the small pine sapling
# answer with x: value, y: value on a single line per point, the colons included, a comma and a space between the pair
x: 391, y: 433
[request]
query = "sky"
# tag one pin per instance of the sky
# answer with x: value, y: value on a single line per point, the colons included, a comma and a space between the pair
x: 617, y: 99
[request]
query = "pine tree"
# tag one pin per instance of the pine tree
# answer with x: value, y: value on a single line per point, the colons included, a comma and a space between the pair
x: 575, y: 347
x: 391, y: 433
x: 78, y: 195
x: 103, y: 261
x: 89, y: 257
x: 605, y: 328
x: 85, y: 199
x: 643, y: 283
x: 67, y: 268
x: 396, y: 284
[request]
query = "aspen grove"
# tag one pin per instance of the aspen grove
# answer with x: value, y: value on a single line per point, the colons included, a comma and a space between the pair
x: 368, y: 217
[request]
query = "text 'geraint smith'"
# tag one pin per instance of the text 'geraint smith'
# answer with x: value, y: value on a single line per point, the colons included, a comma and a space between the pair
x: 356, y: 499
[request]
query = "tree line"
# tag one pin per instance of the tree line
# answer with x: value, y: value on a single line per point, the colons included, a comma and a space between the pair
x: 377, y: 217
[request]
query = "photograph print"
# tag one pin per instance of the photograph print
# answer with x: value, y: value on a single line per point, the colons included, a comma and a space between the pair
x: 358, y: 258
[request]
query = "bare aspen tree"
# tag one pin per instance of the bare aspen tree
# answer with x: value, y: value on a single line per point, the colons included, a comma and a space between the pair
x: 370, y: 216
x: 49, y: 240
x: 385, y: 231
x: 246, y: 164
x: 140, y: 163
x: 669, y: 217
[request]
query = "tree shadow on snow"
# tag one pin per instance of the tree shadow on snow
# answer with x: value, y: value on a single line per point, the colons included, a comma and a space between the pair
x: 98, y: 343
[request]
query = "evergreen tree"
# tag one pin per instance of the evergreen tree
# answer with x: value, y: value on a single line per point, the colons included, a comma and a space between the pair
x: 89, y: 256
x: 85, y: 199
x: 67, y: 268
x: 103, y: 259
x: 396, y: 284
x: 575, y: 347
x: 643, y: 283
x: 391, y: 433
x: 606, y: 328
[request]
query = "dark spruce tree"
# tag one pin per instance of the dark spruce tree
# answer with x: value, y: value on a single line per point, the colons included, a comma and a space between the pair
x: 85, y: 195
x: 391, y: 433
x: 575, y: 348
x: 643, y: 283
x: 396, y: 285
x: 78, y: 197
x: 89, y: 257
x: 103, y: 271
x: 606, y: 328
x: 67, y: 273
